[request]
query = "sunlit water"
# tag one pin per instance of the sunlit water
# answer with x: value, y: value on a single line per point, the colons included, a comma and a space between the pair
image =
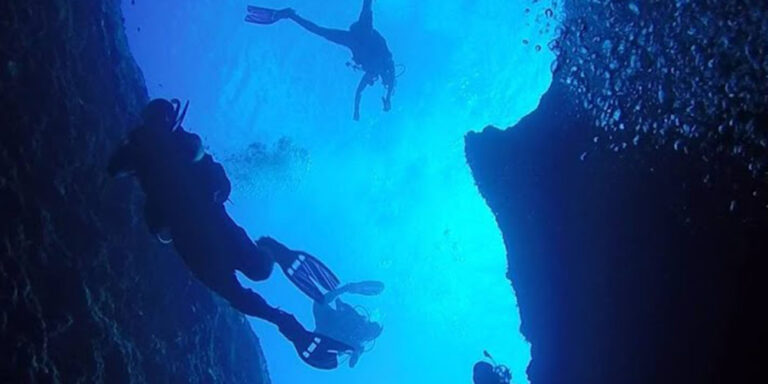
x: 390, y: 197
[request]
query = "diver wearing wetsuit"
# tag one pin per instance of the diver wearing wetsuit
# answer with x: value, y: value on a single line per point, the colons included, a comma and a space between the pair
x: 486, y: 373
x: 185, y: 191
x: 341, y: 321
x: 369, y: 49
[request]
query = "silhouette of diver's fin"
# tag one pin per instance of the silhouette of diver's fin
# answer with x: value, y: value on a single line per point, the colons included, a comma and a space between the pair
x: 317, y: 350
x: 259, y: 15
x: 302, y: 269
x: 353, y: 360
x: 320, y: 351
x: 366, y: 288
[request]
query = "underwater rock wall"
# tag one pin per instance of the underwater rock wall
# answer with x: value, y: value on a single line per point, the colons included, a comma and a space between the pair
x: 637, y: 261
x: 85, y: 294
x: 627, y: 268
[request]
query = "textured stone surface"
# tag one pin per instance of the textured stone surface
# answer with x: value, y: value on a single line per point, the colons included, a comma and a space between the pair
x: 687, y: 75
x: 85, y: 294
x: 633, y: 200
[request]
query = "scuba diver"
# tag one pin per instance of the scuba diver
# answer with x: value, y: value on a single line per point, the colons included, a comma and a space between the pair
x: 486, y: 373
x: 343, y: 322
x: 369, y: 49
x: 185, y: 193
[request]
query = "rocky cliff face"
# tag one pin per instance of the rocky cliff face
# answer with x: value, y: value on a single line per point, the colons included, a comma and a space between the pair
x: 638, y: 255
x: 85, y: 294
x: 627, y: 268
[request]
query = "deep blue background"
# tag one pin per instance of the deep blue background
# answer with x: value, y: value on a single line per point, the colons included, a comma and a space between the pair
x: 389, y: 198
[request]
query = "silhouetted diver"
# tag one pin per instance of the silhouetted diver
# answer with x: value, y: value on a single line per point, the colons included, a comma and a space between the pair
x: 185, y: 191
x: 486, y: 373
x: 369, y: 49
x: 339, y: 320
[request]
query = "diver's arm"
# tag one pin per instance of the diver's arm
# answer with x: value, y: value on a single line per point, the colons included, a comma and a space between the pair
x: 366, y: 15
x: 222, y: 184
x: 222, y: 194
x: 191, y: 144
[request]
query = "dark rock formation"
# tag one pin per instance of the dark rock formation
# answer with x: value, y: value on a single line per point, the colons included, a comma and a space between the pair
x: 85, y: 294
x: 691, y: 75
x: 628, y: 267
x: 633, y: 200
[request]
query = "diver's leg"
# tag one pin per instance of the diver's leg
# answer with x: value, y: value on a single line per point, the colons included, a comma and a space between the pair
x: 257, y: 266
x: 317, y: 350
x: 389, y: 79
x: 365, y: 81
x: 244, y: 300
x: 334, y: 35
x: 255, y: 263
x: 387, y: 99
x: 366, y: 15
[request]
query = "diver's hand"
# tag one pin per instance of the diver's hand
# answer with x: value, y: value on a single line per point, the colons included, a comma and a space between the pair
x: 387, y: 104
x: 356, y: 116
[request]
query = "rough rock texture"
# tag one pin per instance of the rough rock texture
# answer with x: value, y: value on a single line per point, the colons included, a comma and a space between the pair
x: 633, y: 200
x: 690, y: 75
x: 627, y: 267
x: 85, y: 294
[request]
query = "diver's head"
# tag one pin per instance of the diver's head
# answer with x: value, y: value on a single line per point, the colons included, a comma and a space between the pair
x: 160, y: 114
x: 483, y: 373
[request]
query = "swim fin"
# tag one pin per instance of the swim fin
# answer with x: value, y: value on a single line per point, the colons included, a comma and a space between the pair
x: 353, y: 360
x: 317, y: 350
x: 302, y: 269
x: 320, y: 351
x: 265, y: 16
x: 366, y: 288
x: 259, y: 15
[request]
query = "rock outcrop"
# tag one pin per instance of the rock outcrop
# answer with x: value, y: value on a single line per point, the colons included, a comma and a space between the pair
x: 633, y: 201
x: 628, y: 267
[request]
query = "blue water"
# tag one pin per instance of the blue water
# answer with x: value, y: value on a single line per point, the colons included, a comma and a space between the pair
x: 389, y: 198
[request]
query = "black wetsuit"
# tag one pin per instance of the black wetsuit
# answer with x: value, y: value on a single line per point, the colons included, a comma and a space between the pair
x: 369, y: 51
x: 185, y: 193
x: 187, y: 196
